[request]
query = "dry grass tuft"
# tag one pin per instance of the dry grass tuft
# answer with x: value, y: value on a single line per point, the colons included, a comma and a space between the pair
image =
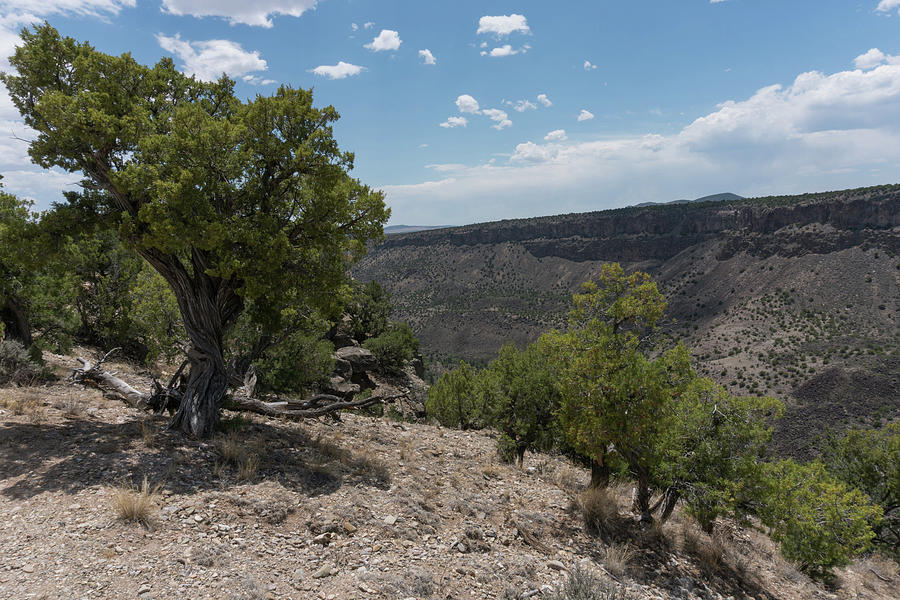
x: 148, y: 433
x: 581, y: 584
x: 599, y: 509
x: 617, y: 557
x: 70, y: 407
x: 238, y: 452
x: 491, y: 471
x: 135, y: 504
x: 21, y: 401
x: 569, y: 479
x: 247, y: 468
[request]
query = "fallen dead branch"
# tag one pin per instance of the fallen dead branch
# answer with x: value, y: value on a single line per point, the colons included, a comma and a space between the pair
x: 162, y: 397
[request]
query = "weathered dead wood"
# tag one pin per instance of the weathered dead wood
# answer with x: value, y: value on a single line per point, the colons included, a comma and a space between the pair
x: 314, y: 406
x: 93, y: 375
x: 317, y: 406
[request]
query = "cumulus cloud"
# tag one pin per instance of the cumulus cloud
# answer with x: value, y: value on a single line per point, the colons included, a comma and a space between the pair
x: 585, y: 115
x: 543, y: 99
x: 887, y: 5
x: 207, y: 60
x: 557, y: 135
x: 820, y: 132
x: 368, y: 25
x: 589, y: 66
x: 455, y: 122
x: 505, y: 50
x: 338, y: 71
x: 257, y: 13
x: 873, y: 58
x: 499, y: 117
x: 521, y: 105
x: 503, y: 25
x: 427, y: 57
x: 467, y: 104
x: 388, y: 39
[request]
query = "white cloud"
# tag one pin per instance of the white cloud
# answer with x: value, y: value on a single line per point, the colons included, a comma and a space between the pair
x: 503, y: 25
x: 499, y: 117
x: 521, y: 105
x: 455, y: 122
x: 467, y: 104
x: 504, y: 50
x: 207, y: 60
x: 388, y: 39
x: 585, y: 115
x: 446, y: 167
x: 81, y: 8
x: 589, y: 66
x: 820, y: 132
x: 427, y: 56
x: 557, y: 135
x: 338, y: 71
x: 354, y: 27
x: 543, y: 99
x: 873, y: 58
x: 368, y: 25
x: 257, y: 80
x: 887, y: 5
x: 529, y: 152
x: 258, y: 12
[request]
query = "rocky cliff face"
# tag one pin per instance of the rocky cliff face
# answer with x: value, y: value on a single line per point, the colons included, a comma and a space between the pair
x: 767, y: 292
x: 661, y: 232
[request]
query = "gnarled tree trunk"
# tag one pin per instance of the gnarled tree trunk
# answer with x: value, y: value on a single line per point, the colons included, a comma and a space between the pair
x: 208, y: 305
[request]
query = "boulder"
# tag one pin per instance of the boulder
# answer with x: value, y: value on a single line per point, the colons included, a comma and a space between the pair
x: 341, y: 387
x: 360, y: 359
x: 343, y: 368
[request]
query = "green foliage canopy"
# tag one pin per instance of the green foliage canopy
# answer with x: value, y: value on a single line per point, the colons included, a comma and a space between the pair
x: 230, y: 201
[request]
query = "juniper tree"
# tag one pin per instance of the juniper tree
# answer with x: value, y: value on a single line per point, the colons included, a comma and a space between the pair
x: 233, y: 202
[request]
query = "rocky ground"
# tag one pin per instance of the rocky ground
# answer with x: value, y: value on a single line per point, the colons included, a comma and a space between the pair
x: 363, y: 507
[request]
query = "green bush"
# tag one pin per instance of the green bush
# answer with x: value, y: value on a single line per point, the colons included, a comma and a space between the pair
x: 521, y: 394
x: 820, y: 523
x: 869, y: 460
x: 395, y: 346
x: 298, y: 363
x: 17, y: 365
x: 368, y: 311
x: 455, y: 400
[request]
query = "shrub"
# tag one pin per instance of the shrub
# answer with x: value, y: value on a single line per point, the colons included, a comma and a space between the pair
x: 17, y: 366
x: 820, y: 523
x: 368, y: 311
x: 298, y: 363
x: 395, y: 346
x: 869, y: 460
x: 455, y: 401
x: 521, y: 394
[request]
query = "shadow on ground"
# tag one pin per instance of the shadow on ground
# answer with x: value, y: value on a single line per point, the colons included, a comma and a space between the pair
x: 80, y: 453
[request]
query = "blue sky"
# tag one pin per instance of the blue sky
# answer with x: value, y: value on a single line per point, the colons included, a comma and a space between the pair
x: 531, y: 108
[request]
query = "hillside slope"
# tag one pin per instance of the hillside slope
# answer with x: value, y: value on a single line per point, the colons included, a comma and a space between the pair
x: 358, y: 508
x: 772, y: 294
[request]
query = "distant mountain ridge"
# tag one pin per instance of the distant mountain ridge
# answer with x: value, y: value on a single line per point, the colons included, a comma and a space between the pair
x: 723, y: 197
x: 776, y: 295
x: 395, y: 229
